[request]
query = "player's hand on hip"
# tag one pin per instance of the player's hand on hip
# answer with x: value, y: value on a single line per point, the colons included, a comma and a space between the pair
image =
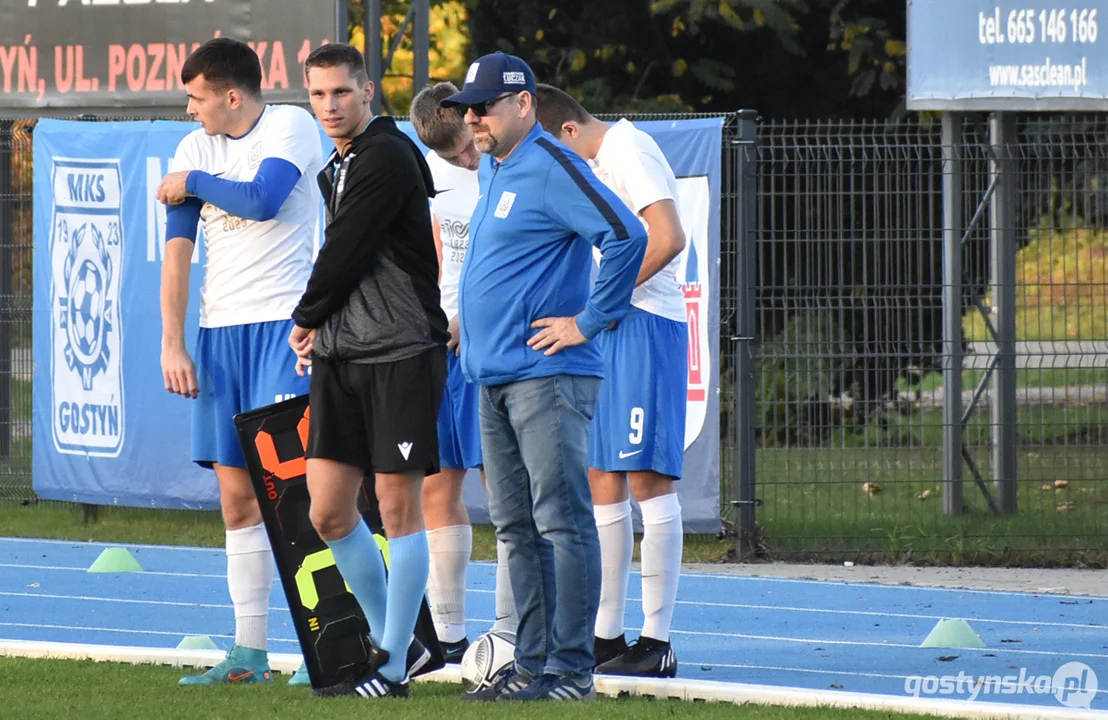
x: 454, y: 344
x: 172, y: 189
x: 301, y: 341
x: 556, y: 333
x: 179, y: 373
x: 303, y: 365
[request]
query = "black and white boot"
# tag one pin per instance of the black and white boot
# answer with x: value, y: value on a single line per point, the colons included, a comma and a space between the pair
x: 646, y: 657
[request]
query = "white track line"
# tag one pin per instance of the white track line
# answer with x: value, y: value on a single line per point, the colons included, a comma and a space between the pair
x: 856, y: 643
x: 95, y: 543
x: 164, y: 603
x: 883, y: 586
x: 20, y: 566
x: 870, y: 613
x: 689, y: 690
x: 691, y: 603
x: 85, y: 628
x: 715, y: 576
x: 737, y: 636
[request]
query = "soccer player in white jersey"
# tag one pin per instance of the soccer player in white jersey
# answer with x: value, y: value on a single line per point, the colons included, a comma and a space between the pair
x: 638, y: 434
x: 249, y: 175
x: 454, y: 160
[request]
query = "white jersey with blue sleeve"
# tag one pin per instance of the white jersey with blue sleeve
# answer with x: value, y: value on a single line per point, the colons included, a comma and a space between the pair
x: 632, y: 165
x: 255, y: 271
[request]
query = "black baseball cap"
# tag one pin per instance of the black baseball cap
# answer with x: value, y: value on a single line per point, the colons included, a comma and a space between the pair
x: 490, y: 76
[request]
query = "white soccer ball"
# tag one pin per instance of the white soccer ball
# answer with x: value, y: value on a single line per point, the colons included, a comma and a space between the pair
x: 485, y: 660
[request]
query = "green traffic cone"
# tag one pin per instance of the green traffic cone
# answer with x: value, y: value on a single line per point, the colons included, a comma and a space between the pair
x: 115, y: 560
x: 197, y: 642
x: 953, y: 634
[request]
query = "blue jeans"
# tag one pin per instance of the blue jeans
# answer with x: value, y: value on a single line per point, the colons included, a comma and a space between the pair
x: 535, y: 439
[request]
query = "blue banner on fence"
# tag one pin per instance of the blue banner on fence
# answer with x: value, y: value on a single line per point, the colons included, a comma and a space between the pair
x: 1002, y: 55
x: 105, y: 430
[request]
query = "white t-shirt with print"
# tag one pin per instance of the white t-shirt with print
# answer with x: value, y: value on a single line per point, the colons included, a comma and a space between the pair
x: 456, y: 194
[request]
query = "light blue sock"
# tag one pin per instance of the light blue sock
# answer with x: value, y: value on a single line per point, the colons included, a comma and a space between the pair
x: 409, y: 563
x: 359, y: 560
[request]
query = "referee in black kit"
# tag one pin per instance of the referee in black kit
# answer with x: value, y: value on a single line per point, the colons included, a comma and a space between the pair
x: 370, y: 325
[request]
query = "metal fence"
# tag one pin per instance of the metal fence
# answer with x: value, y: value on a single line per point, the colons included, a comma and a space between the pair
x: 832, y: 398
x: 850, y: 395
x: 15, y: 309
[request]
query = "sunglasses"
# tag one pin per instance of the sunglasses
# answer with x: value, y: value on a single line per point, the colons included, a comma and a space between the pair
x: 482, y: 109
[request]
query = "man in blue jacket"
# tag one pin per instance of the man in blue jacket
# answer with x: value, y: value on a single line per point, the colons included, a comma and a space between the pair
x: 526, y: 316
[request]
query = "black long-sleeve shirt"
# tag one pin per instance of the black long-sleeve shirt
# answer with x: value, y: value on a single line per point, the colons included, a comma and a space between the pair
x: 373, y: 293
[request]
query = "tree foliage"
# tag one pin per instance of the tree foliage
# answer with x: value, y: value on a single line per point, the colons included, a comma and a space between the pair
x: 785, y: 58
x: 449, y: 52
x: 877, y: 54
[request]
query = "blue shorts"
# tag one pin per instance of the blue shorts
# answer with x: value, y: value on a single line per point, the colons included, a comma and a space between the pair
x: 239, y: 368
x: 640, y: 414
x: 459, y: 424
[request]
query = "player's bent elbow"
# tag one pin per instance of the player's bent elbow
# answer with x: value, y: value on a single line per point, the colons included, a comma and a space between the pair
x: 669, y: 242
x: 677, y: 241
x: 262, y: 212
x: 268, y: 208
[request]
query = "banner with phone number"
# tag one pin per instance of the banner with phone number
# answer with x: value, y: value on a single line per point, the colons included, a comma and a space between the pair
x: 1007, y: 55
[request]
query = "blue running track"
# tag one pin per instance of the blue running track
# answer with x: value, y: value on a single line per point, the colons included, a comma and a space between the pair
x: 789, y: 633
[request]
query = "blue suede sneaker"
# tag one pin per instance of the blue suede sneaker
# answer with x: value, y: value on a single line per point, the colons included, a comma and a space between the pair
x: 555, y: 687
x: 504, y: 682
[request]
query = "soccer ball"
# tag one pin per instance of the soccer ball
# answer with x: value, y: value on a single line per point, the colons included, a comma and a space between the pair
x: 486, y: 660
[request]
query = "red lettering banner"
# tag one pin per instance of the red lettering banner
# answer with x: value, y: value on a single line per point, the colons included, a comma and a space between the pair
x: 77, y: 56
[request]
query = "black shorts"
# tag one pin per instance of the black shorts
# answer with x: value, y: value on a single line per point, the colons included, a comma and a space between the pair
x: 379, y: 417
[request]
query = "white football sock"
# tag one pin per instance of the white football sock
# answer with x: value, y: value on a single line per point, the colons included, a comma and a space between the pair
x: 507, y: 619
x: 450, y: 548
x: 617, y: 541
x: 249, y: 578
x: 662, y: 546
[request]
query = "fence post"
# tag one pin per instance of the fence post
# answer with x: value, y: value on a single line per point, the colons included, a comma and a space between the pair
x: 743, y: 425
x: 342, y: 21
x: 1002, y: 249
x: 7, y: 245
x: 371, y: 23
x: 421, y: 39
x: 952, y: 314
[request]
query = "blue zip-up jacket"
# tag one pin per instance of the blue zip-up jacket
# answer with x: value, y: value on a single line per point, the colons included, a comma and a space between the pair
x: 540, y: 213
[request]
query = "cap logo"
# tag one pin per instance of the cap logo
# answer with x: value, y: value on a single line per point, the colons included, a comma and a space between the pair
x: 471, y: 74
x: 514, y: 78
